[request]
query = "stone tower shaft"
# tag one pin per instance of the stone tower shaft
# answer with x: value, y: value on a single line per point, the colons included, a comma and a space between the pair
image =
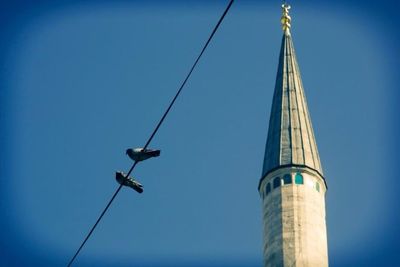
x: 292, y: 186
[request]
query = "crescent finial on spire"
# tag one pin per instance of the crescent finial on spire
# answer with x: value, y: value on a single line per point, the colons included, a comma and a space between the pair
x: 285, y: 19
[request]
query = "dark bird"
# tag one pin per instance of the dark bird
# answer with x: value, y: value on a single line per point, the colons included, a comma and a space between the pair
x: 140, y: 154
x: 128, y: 181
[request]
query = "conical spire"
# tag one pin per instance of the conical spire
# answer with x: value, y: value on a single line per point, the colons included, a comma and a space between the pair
x: 291, y: 138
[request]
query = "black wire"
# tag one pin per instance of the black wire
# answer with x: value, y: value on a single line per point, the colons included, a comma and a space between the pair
x: 94, y: 226
x: 190, y: 73
x: 155, y: 130
x: 99, y: 219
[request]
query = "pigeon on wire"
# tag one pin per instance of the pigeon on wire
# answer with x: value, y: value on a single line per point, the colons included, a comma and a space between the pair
x: 140, y: 154
x: 128, y: 181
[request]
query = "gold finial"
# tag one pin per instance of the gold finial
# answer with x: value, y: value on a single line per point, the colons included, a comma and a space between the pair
x: 285, y: 19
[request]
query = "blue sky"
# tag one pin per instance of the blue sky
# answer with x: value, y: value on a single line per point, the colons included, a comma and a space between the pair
x: 81, y: 81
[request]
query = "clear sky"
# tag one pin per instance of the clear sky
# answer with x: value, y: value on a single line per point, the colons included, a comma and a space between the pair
x: 81, y: 81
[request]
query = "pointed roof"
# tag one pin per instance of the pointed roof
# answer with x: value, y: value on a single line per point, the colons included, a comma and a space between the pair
x: 291, y: 138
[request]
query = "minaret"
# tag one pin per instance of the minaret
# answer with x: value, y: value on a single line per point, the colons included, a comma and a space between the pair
x: 292, y: 186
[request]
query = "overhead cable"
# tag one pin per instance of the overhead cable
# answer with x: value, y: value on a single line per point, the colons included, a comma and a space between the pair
x: 155, y: 129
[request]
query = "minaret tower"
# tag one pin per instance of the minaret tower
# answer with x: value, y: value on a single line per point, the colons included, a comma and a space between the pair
x: 292, y: 186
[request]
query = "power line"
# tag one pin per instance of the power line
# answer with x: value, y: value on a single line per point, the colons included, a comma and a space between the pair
x: 155, y: 130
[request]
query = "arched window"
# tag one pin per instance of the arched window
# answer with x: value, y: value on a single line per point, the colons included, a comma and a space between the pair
x: 317, y: 186
x: 298, y: 179
x: 268, y: 189
x: 277, y: 182
x: 287, y: 179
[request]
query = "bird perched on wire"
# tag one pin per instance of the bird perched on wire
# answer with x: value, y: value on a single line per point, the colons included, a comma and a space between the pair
x: 128, y: 181
x: 140, y: 154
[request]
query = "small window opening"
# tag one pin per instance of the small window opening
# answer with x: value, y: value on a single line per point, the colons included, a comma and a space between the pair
x: 268, y: 189
x: 317, y: 186
x: 277, y: 182
x: 298, y: 179
x: 287, y: 179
